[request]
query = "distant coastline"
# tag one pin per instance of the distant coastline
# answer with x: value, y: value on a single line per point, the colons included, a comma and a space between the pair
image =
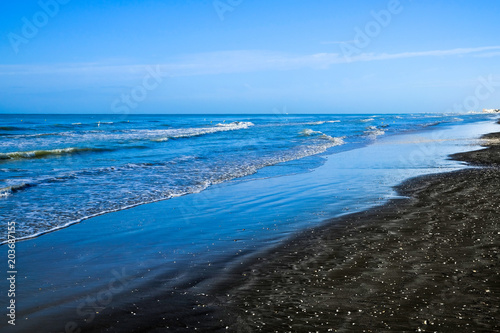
x: 491, y: 110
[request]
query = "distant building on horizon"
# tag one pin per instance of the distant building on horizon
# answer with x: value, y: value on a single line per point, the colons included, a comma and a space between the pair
x: 491, y: 110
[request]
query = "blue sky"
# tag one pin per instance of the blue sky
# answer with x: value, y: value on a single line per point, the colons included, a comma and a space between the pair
x: 242, y: 56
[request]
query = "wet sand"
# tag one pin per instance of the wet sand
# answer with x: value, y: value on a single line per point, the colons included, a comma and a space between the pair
x: 427, y: 263
x: 488, y: 157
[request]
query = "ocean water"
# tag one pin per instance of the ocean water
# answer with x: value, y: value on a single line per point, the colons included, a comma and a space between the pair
x: 57, y: 170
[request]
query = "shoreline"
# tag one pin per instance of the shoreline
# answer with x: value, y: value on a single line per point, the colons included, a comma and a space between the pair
x: 428, y: 262
x: 163, y: 300
x: 425, y: 263
x: 35, y: 233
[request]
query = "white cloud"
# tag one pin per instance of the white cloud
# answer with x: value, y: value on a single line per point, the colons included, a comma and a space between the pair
x: 488, y: 55
x: 227, y: 62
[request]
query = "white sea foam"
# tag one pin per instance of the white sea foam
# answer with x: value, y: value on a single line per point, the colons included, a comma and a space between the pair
x: 373, y: 131
x: 336, y: 141
x: 236, y: 125
x: 160, y: 139
x: 315, y: 123
x: 321, y: 122
x: 190, y: 132
x: 79, y: 137
x: 309, y: 132
x: 310, y: 123
x: 6, y: 191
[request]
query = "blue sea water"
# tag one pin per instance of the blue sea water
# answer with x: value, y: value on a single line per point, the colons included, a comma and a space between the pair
x: 57, y: 170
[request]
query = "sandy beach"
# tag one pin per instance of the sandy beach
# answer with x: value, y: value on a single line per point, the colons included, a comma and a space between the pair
x: 427, y: 263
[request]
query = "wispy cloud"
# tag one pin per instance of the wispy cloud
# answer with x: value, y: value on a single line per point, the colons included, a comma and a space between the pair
x: 225, y: 62
x: 435, y: 53
x: 488, y: 55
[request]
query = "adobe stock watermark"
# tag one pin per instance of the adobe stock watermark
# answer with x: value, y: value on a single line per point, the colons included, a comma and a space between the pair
x: 48, y: 9
x: 139, y: 93
x: 483, y: 91
x: 372, y: 29
x: 223, y: 6
x: 93, y: 304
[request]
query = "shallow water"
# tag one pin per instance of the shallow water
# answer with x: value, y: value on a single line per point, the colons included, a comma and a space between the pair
x: 56, y: 170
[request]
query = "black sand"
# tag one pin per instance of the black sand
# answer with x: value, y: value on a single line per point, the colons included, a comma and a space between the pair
x: 429, y: 263
x: 487, y: 157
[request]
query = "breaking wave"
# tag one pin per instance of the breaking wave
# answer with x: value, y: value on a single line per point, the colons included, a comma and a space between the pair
x: 45, y: 153
x: 373, y: 131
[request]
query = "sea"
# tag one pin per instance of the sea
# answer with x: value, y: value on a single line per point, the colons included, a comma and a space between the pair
x: 59, y: 170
